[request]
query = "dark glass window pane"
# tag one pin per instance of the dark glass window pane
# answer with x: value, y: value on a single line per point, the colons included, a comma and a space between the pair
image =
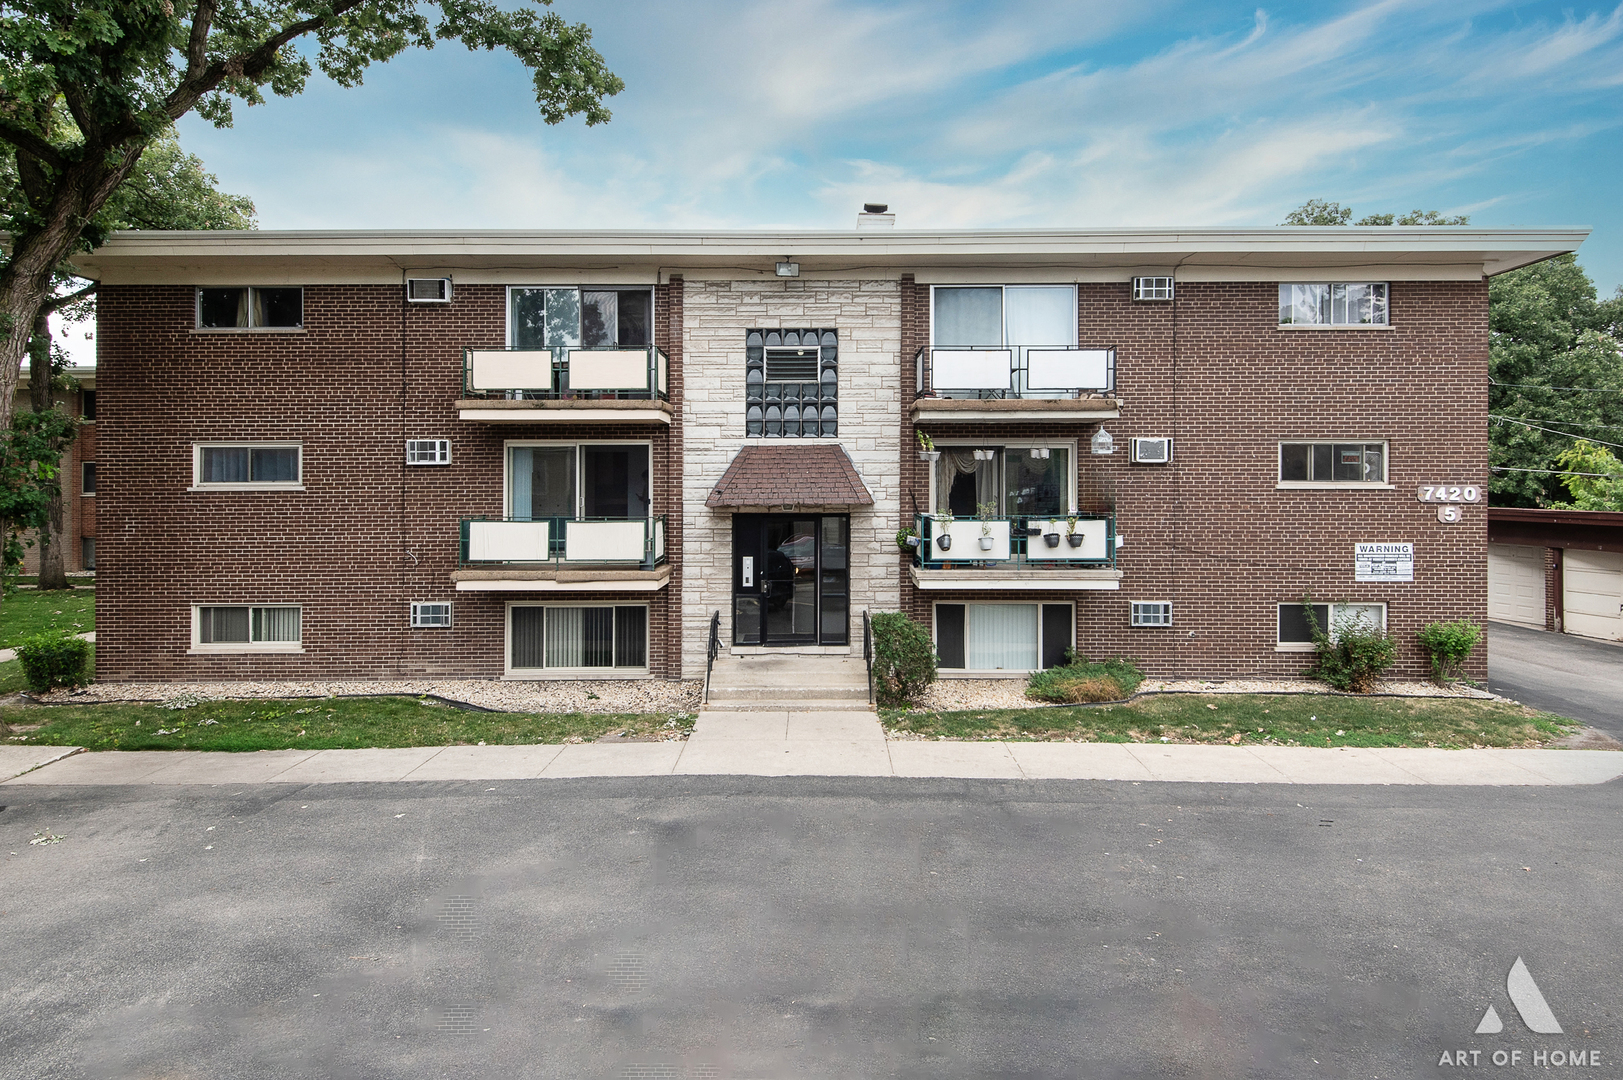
x: 1293, y: 627
x: 1035, y: 485
x: 597, y: 633
x: 636, y: 320
x: 614, y: 481
x: 1324, y: 456
x: 746, y: 620
x: 528, y: 318
x: 527, y: 624
x: 1293, y: 461
x: 835, y: 619
x: 1375, y: 463
x: 225, y: 464
x: 599, y: 318
x: 219, y: 625
x: 631, y: 637
x: 87, y: 404
x: 1056, y: 634
x: 563, y: 317
x: 89, y: 485
x: 1348, y: 461
x: 949, y: 635
x: 275, y: 465
x: 278, y: 307
x: 222, y: 307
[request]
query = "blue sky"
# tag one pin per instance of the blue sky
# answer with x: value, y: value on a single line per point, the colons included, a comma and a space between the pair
x: 746, y: 115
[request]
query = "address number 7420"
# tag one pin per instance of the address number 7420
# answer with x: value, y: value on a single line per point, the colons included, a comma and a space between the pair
x: 1450, y: 493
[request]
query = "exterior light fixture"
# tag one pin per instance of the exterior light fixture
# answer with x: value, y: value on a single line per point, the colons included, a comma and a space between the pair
x: 788, y: 269
x: 1103, y: 442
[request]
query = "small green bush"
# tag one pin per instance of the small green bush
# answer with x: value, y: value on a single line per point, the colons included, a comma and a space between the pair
x: 54, y: 658
x: 1448, y: 644
x: 1082, y: 680
x: 904, y: 658
x: 1355, y: 657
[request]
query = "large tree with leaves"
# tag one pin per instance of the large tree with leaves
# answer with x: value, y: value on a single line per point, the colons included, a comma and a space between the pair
x: 86, y: 87
x: 1324, y: 212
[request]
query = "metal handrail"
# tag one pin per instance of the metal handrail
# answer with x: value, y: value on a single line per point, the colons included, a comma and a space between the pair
x: 558, y: 374
x: 924, y: 365
x: 1022, y: 531
x: 711, y: 650
x: 867, y: 652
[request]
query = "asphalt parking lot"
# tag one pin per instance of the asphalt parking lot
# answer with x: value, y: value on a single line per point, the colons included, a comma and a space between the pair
x: 1573, y: 676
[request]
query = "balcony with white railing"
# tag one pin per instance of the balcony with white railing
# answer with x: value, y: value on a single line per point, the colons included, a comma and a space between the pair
x: 1077, y: 551
x: 567, y: 384
x: 1015, y: 383
x: 562, y: 554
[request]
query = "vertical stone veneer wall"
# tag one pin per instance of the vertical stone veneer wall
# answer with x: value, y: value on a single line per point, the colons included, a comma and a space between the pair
x: 716, y: 315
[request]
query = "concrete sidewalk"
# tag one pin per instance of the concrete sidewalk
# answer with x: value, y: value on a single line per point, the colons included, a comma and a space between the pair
x: 821, y: 744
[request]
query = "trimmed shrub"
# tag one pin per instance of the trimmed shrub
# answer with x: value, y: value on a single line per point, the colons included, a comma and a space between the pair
x: 1448, y: 644
x: 904, y: 660
x: 54, y: 658
x: 1355, y: 657
x: 1081, y: 681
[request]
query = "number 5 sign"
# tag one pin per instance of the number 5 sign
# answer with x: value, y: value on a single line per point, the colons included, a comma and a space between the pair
x: 1449, y: 513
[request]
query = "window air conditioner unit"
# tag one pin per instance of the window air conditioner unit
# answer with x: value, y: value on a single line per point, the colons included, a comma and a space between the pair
x: 1153, y: 613
x: 426, y: 614
x: 428, y: 451
x: 428, y: 290
x: 1152, y: 288
x: 1157, y: 451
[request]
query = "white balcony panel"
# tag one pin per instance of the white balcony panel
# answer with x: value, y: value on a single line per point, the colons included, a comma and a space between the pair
x: 604, y: 541
x: 1093, y: 535
x: 664, y: 373
x: 659, y: 538
x: 508, y: 541
x: 966, y: 541
x: 509, y: 369
x: 966, y: 369
x: 608, y: 369
x: 1068, y: 369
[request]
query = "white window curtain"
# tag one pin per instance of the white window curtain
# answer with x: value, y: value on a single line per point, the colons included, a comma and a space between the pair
x: 953, y: 464
x: 1001, y: 637
x: 276, y: 624
x: 1040, y: 315
x: 968, y: 316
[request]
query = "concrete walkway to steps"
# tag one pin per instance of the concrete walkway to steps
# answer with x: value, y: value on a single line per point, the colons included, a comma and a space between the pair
x: 820, y: 744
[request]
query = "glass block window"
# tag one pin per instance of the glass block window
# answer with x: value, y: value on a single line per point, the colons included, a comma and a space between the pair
x: 791, y: 383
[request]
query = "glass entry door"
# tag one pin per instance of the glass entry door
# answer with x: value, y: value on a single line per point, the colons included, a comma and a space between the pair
x: 790, y: 579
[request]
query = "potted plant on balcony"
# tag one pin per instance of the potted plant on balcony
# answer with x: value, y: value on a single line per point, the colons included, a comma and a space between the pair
x: 927, y: 450
x: 1072, y: 537
x: 943, y: 539
x: 907, y: 539
x: 985, y: 511
x: 1051, y: 537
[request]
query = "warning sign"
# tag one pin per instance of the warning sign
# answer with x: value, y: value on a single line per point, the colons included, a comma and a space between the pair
x: 1383, y: 562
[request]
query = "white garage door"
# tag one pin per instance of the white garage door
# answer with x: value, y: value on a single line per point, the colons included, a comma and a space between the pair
x: 1516, y: 584
x: 1593, y: 593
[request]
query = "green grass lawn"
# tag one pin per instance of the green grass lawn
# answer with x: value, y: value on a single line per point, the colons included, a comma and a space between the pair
x: 27, y: 612
x: 1254, y: 719
x: 315, y: 724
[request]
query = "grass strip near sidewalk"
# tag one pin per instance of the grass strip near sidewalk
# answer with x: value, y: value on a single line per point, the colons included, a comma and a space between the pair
x: 316, y: 724
x: 26, y: 612
x: 1253, y: 719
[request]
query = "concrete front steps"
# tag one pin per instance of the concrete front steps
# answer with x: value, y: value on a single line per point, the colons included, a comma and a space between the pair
x: 777, y: 682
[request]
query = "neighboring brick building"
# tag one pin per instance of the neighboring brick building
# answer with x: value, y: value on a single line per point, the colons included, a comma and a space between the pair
x: 518, y: 455
x: 78, y: 474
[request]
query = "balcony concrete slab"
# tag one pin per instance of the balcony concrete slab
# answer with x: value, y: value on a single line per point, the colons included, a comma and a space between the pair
x: 487, y: 763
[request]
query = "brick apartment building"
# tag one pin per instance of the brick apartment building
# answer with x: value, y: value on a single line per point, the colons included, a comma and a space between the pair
x: 77, y: 474
x: 560, y: 455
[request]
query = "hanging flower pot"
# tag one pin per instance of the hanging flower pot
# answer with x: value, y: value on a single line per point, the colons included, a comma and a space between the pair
x: 1051, y: 539
x: 1074, y: 539
x: 929, y: 455
x: 986, y: 543
x: 944, y: 541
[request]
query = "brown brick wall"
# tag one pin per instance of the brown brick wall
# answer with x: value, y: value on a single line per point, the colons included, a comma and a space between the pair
x: 1210, y: 532
x: 366, y: 537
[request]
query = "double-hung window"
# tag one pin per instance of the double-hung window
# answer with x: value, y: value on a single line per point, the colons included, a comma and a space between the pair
x: 247, y: 466
x: 1332, y: 464
x: 546, y: 637
x: 247, y: 628
x: 1296, y: 630
x: 1333, y: 304
x: 1015, y: 340
x: 250, y: 307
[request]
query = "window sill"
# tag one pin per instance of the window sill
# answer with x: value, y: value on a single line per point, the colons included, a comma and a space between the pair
x: 575, y: 674
x: 246, y: 487
x: 1304, y: 647
x: 247, y: 330
x: 1349, y: 485
x: 87, y: 494
x: 235, y: 650
x: 1336, y: 326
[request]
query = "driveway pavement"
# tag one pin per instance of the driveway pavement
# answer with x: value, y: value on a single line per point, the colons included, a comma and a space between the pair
x: 1572, y: 676
x: 798, y: 927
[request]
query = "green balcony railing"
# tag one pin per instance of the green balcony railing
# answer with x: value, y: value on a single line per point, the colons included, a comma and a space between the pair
x: 1037, y: 543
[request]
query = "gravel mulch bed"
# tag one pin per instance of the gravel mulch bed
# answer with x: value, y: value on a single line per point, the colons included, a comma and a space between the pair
x: 957, y: 694
x: 605, y: 696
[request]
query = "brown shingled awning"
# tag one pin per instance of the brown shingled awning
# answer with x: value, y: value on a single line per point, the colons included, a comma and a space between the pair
x: 790, y: 474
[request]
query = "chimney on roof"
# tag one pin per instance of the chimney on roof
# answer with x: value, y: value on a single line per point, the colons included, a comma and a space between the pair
x: 875, y: 216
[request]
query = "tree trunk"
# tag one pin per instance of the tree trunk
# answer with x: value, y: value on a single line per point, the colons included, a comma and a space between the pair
x: 52, y: 568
